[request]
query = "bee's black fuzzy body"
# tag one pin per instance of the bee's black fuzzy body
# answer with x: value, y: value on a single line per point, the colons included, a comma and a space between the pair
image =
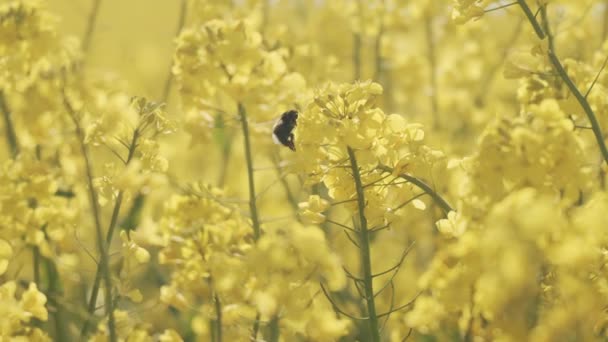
x: 282, y: 130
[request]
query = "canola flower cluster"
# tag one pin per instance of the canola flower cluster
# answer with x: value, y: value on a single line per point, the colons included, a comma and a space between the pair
x: 448, y: 179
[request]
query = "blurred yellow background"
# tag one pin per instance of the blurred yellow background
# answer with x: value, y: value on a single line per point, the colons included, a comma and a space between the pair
x: 136, y: 42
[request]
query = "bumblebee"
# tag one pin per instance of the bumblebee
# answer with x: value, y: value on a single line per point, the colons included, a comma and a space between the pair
x: 282, y: 129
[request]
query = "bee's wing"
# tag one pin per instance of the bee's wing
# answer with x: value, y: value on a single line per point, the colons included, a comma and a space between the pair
x: 275, y: 139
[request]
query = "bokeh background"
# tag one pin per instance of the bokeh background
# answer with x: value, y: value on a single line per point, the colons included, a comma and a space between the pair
x: 484, y: 184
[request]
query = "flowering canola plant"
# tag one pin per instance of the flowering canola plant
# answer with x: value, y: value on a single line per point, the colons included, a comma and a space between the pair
x: 446, y: 179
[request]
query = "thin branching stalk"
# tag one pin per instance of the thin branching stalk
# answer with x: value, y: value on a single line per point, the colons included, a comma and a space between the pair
x: 36, y: 261
x: 274, y: 330
x: 378, y: 59
x: 180, y: 25
x: 531, y: 19
x: 283, y: 180
x: 265, y: 15
x: 357, y: 42
x: 256, y: 327
x: 218, y: 318
x: 440, y: 201
x: 489, y: 76
x: 13, y: 144
x: 53, y: 292
x: 497, y: 8
x: 109, y: 234
x: 604, y: 24
x: 546, y: 28
x: 225, y: 147
x: 101, y: 244
x: 250, y: 173
x: 357, y: 56
x: 561, y: 71
x: 364, y: 249
x: 253, y: 208
x: 11, y: 136
x: 430, y: 45
x: 388, y: 88
x: 88, y: 34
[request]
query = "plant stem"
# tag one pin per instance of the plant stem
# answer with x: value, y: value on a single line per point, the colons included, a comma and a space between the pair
x: 53, y: 291
x: 604, y: 23
x: 423, y: 186
x: 36, y: 261
x: 250, y: 173
x: 357, y: 44
x: 225, y: 140
x: 595, y: 126
x: 283, y: 179
x: 561, y: 71
x: 180, y: 24
x: 378, y: 59
x: 364, y: 249
x: 115, y: 213
x: 11, y: 136
x: 430, y: 43
x: 489, y: 75
x: 531, y: 19
x: 546, y: 28
x: 357, y: 56
x: 101, y: 244
x: 256, y: 328
x: 86, y: 40
x: 274, y: 329
x: 265, y: 16
x: 226, y: 149
x: 252, y: 200
x: 218, y: 319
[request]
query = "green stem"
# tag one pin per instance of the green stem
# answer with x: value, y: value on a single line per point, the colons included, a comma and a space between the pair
x: 357, y: 44
x: 180, y: 24
x: 53, y: 292
x: 290, y: 196
x: 101, y: 244
x: 250, y: 173
x: 422, y: 186
x: 561, y: 71
x: 256, y: 328
x: 86, y: 40
x: 36, y: 261
x: 357, y: 56
x: 364, y: 249
x: 546, y: 28
x: 489, y: 76
x: 274, y: 330
x: 226, y: 151
x: 595, y: 126
x: 378, y: 54
x: 218, y: 319
x: 115, y: 213
x: 11, y: 136
x: 225, y: 139
x: 604, y: 23
x: 531, y: 19
x: 265, y: 16
x: 252, y: 195
x: 430, y: 43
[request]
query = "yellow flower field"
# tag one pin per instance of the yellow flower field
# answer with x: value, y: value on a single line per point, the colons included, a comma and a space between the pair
x: 303, y: 170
